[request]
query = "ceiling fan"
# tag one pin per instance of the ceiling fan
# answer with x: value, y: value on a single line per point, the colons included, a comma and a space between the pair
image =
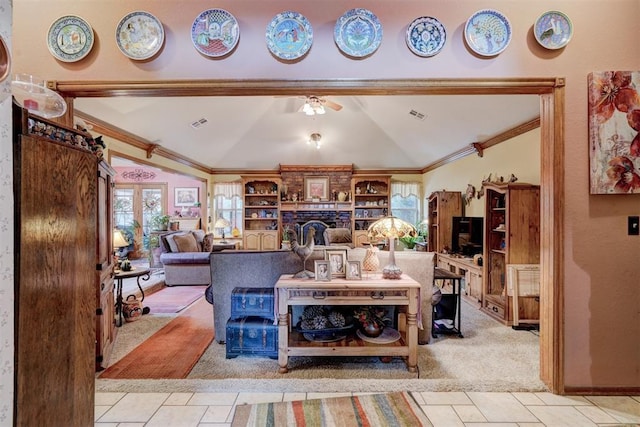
x: 316, y: 105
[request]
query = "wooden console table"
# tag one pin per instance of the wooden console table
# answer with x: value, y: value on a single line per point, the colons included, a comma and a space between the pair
x: 373, y: 290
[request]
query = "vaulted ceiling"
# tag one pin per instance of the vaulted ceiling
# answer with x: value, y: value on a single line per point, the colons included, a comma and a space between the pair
x: 261, y: 132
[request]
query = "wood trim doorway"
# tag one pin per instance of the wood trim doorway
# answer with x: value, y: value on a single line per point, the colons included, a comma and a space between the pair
x: 551, y: 92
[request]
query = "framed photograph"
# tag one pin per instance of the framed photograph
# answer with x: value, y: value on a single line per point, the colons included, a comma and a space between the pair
x: 185, y: 196
x: 316, y: 188
x: 337, y: 261
x: 354, y: 270
x: 322, y: 269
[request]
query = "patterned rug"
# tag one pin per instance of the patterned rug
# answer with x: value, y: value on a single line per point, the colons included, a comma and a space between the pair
x: 391, y: 409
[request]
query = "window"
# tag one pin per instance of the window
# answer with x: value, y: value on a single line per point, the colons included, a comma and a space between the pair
x: 405, y: 203
x: 227, y: 203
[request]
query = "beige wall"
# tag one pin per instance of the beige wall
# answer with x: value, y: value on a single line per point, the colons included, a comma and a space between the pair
x: 601, y: 323
x: 519, y: 156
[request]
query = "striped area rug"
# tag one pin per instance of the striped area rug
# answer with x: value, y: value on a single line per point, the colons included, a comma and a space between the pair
x: 390, y: 409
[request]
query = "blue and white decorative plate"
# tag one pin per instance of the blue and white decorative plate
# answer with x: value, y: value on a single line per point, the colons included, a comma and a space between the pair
x: 487, y: 32
x: 289, y: 35
x: 426, y: 36
x: 70, y: 38
x: 139, y: 35
x: 215, y: 32
x: 358, y: 33
x: 553, y: 29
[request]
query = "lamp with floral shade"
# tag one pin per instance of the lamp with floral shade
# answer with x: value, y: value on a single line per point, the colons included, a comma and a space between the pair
x: 391, y: 228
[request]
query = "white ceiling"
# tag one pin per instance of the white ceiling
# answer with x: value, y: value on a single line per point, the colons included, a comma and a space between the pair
x: 262, y: 132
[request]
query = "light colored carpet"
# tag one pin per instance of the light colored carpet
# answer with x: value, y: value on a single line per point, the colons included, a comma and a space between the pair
x: 172, y: 351
x: 491, y: 357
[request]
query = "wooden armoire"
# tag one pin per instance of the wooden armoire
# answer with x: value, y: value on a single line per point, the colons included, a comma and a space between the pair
x: 56, y: 229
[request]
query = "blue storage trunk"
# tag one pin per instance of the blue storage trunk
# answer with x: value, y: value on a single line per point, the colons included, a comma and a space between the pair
x: 252, y: 302
x: 253, y: 336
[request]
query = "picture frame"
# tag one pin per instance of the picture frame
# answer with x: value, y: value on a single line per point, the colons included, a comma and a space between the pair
x: 316, y: 188
x: 185, y: 196
x: 322, y: 270
x: 354, y: 270
x: 337, y: 259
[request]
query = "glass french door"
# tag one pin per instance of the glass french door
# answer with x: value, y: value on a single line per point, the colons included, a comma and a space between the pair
x: 134, y: 206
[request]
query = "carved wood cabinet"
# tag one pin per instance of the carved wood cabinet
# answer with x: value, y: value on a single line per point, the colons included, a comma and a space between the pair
x: 55, y: 266
x: 104, y: 283
x: 442, y: 207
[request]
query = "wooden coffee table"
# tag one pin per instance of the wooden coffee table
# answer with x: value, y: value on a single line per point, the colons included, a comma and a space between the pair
x: 373, y: 290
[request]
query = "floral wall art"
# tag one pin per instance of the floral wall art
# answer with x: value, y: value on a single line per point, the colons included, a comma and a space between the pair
x: 614, y: 132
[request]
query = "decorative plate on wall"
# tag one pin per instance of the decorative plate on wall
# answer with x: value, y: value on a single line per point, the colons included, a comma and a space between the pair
x: 139, y: 35
x: 215, y: 32
x: 426, y: 36
x: 70, y: 38
x: 289, y: 35
x: 358, y: 33
x: 553, y: 29
x: 487, y: 32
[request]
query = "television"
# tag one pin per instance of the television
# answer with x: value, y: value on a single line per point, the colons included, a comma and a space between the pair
x: 467, y: 235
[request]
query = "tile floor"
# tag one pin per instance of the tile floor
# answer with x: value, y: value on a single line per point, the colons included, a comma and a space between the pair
x: 446, y: 409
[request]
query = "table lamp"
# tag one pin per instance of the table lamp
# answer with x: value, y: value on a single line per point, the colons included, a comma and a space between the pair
x: 119, y: 242
x: 222, y: 223
x: 391, y: 228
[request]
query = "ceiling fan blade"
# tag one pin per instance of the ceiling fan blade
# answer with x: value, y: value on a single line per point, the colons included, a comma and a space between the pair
x: 333, y: 105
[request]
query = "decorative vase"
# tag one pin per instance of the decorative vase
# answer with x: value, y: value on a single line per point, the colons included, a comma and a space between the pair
x: 372, y: 330
x: 371, y: 261
x: 342, y: 196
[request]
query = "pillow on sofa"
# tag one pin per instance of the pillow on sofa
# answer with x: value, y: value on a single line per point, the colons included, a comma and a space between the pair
x: 337, y: 236
x: 186, y: 243
x: 207, y: 242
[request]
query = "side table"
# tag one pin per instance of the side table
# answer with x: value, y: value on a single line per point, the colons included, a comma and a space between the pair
x: 119, y: 276
x: 449, y: 306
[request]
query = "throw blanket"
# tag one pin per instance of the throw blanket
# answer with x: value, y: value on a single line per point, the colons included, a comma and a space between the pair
x: 391, y: 409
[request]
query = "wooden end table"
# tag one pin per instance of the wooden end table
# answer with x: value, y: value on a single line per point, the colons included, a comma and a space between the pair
x: 373, y: 290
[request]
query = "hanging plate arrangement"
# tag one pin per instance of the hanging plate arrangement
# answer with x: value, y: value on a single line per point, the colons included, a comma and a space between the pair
x: 139, y: 35
x: 289, y: 35
x: 487, y: 32
x: 70, y: 38
x: 553, y: 30
x: 358, y: 33
x: 215, y: 33
x: 426, y: 36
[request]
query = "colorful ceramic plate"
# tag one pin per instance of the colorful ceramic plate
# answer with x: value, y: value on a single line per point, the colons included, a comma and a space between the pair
x: 5, y: 60
x: 70, y: 38
x: 358, y: 33
x: 289, y: 35
x: 215, y: 32
x: 487, y: 32
x: 426, y: 36
x: 139, y: 35
x: 553, y: 29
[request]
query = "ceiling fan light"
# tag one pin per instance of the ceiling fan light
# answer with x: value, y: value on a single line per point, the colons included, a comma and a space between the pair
x: 319, y: 109
x: 308, y: 109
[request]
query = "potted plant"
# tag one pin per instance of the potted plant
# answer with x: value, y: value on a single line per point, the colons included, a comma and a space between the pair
x: 286, y: 243
x: 159, y: 222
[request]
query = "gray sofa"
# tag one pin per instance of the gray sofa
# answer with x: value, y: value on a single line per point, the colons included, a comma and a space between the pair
x: 184, y: 268
x: 261, y: 269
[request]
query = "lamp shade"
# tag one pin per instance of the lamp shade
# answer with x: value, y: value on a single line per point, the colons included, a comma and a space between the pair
x: 391, y: 227
x: 221, y: 223
x: 119, y: 240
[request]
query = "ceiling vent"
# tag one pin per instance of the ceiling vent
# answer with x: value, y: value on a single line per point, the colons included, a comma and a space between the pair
x: 417, y: 115
x: 199, y: 123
